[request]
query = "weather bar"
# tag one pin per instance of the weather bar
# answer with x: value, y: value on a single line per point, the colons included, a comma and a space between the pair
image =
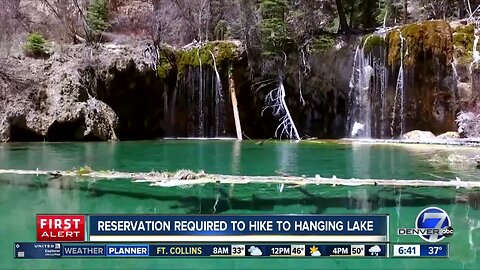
x: 420, y: 250
x: 70, y: 250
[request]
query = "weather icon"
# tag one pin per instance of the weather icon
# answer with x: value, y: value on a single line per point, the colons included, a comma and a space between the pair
x: 375, y: 250
x: 314, y: 251
x: 254, y: 251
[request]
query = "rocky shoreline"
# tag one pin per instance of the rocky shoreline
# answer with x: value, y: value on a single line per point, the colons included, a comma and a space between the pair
x: 455, y: 142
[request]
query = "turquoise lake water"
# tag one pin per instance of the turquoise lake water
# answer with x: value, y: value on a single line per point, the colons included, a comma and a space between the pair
x: 24, y: 196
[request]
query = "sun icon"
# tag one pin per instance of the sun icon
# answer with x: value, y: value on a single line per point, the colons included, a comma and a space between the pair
x: 315, y: 252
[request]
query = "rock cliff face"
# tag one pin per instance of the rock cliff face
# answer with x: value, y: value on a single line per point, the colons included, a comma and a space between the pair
x: 325, y: 89
x: 122, y: 92
x: 116, y: 92
x: 430, y: 87
x: 53, y: 99
x: 111, y: 92
x: 415, y: 77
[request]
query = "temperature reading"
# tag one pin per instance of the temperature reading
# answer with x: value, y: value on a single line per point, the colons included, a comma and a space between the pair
x: 298, y: 250
x: 358, y: 250
x: 238, y: 250
x: 434, y: 250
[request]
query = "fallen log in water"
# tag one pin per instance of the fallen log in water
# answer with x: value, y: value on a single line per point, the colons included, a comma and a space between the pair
x: 185, y: 177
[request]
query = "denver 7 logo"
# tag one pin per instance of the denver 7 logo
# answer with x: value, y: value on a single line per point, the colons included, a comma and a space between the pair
x: 437, y: 219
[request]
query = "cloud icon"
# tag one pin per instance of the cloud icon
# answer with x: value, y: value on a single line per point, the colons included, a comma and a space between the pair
x: 375, y: 250
x: 316, y: 253
x: 254, y: 251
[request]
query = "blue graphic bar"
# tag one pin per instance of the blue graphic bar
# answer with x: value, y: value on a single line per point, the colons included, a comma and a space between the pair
x: 37, y: 250
x: 127, y: 250
x: 434, y: 250
x: 420, y: 250
x: 72, y: 250
x: 83, y: 250
x: 222, y: 225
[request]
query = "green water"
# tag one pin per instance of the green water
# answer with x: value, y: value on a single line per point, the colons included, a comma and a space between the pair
x: 24, y: 196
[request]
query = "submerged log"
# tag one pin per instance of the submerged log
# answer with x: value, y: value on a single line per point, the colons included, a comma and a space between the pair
x: 166, y: 179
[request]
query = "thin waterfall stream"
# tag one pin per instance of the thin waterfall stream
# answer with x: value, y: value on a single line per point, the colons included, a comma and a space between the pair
x: 400, y: 90
x: 219, y: 101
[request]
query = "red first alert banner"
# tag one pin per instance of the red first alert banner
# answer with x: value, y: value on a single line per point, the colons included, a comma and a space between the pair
x: 60, y: 228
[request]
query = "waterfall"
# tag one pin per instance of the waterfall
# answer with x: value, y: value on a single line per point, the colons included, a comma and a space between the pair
x: 380, y: 68
x: 454, y: 70
x: 475, y: 52
x: 400, y: 90
x: 200, y: 99
x: 368, y: 83
x: 352, y: 82
x: 384, y: 26
x: 360, y: 113
x: 219, y: 102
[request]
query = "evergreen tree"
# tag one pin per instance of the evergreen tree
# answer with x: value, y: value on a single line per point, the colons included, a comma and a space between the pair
x: 36, y: 45
x: 97, y: 15
x: 273, y: 26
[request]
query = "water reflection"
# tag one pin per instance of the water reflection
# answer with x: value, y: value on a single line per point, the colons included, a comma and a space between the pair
x: 361, y: 160
x: 359, y: 200
x: 40, y: 195
x: 236, y: 155
x: 67, y: 196
x: 287, y: 157
x: 244, y: 158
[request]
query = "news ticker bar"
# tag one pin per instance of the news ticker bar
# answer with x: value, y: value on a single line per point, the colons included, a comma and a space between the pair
x: 29, y: 250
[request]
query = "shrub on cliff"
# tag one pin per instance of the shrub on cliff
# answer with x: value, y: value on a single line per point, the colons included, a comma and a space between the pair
x: 97, y: 16
x: 469, y: 123
x: 36, y: 45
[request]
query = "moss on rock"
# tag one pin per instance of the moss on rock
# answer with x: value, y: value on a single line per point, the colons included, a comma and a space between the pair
x: 222, y: 50
x: 166, y: 62
x: 463, y: 40
x: 433, y: 38
x: 371, y: 41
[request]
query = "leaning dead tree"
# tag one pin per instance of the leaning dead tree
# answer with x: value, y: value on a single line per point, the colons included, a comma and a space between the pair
x: 275, y: 100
